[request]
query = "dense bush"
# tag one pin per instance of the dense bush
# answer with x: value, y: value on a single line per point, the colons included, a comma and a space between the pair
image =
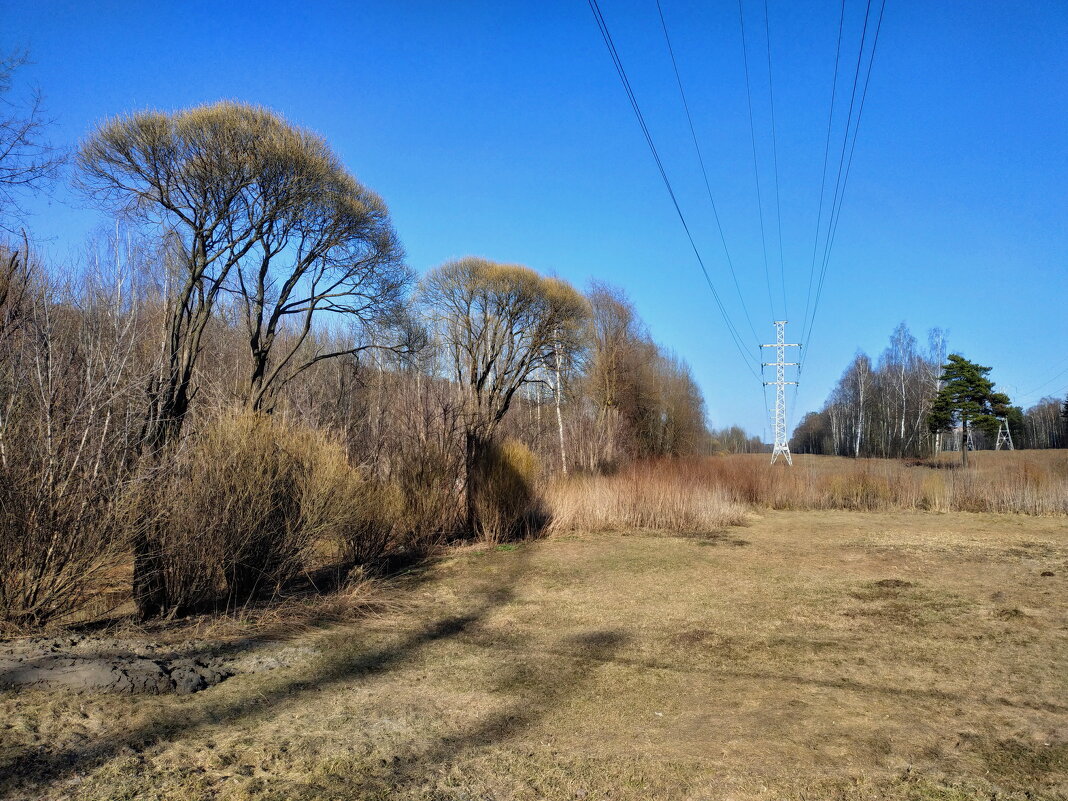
x: 507, y: 501
x: 66, y: 369
x: 232, y: 512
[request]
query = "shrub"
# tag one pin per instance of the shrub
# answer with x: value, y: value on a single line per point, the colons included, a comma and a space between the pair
x: 506, y: 504
x: 235, y: 510
x: 66, y: 382
x: 57, y: 543
x: 371, y: 521
x: 427, y: 479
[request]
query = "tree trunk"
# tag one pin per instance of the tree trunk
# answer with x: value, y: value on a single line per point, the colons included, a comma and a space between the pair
x: 167, y: 414
x: 964, y: 442
x: 472, y: 456
x: 559, y: 415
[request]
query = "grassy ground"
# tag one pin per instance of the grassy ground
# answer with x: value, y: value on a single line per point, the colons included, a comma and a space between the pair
x: 810, y: 655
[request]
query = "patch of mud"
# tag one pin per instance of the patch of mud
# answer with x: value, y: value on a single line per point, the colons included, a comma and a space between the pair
x: 83, y: 663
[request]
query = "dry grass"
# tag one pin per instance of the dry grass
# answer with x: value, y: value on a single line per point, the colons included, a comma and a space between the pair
x: 674, y: 494
x: 659, y: 496
x: 836, y: 655
x: 1024, y: 482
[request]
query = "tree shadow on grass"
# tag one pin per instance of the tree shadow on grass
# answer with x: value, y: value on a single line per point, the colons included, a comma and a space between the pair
x: 219, y: 643
x: 537, y: 685
x: 556, y: 675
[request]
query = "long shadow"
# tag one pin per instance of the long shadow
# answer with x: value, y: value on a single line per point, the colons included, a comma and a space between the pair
x: 844, y: 684
x: 400, y: 576
x: 31, y: 772
x: 558, y: 678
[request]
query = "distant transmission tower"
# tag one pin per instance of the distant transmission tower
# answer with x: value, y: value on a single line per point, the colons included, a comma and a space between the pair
x: 1004, y: 437
x: 780, y: 382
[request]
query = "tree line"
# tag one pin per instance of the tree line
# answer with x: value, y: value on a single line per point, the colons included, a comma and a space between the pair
x: 895, y: 407
x: 245, y: 366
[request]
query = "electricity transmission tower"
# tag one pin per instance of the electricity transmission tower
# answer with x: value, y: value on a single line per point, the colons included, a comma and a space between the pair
x: 1004, y: 437
x: 959, y: 442
x: 780, y: 382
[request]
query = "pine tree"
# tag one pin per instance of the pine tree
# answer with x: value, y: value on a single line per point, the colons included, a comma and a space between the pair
x: 967, y: 398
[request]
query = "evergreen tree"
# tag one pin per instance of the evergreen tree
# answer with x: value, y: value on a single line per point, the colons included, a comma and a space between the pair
x: 967, y: 398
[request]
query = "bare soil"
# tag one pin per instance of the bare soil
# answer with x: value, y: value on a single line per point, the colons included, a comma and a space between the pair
x: 127, y: 665
x: 811, y: 655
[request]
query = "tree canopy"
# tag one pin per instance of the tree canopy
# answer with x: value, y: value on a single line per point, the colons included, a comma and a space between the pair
x: 967, y: 398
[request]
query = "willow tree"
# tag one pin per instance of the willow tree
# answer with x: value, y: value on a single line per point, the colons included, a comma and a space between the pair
x: 497, y: 326
x: 256, y: 212
x: 206, y: 177
x: 331, y: 255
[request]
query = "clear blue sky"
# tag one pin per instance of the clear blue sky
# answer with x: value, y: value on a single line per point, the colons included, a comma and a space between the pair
x: 500, y: 129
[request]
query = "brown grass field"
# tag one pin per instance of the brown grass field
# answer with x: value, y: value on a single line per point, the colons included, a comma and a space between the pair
x: 683, y: 493
x: 826, y: 654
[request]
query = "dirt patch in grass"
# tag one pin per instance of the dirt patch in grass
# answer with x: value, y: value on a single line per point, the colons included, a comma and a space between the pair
x: 838, y: 656
x: 81, y: 663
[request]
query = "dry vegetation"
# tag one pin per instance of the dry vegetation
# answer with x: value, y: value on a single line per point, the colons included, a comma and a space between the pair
x: 203, y: 416
x: 703, y: 493
x: 671, y: 496
x: 827, y: 655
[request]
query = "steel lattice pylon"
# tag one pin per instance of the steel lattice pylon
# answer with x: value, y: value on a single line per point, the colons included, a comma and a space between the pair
x: 1004, y: 437
x: 779, y: 416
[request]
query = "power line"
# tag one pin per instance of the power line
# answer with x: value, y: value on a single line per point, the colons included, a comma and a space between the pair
x: 823, y: 180
x: 775, y: 160
x: 1042, y: 385
x: 756, y: 167
x: 607, y: 36
x: 704, y: 171
x: 841, y: 156
x: 837, y: 213
x: 767, y: 409
x: 843, y: 179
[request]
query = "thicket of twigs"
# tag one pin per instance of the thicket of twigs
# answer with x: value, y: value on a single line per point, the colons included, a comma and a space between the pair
x: 246, y: 384
x: 360, y: 463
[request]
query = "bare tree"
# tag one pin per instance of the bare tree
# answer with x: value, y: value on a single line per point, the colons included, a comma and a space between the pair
x: 67, y: 379
x: 222, y: 182
x: 332, y: 253
x: 498, y: 325
x: 617, y: 360
x: 880, y: 410
x: 28, y: 161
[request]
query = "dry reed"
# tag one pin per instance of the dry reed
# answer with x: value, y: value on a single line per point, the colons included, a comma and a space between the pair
x: 643, y: 496
x: 698, y: 493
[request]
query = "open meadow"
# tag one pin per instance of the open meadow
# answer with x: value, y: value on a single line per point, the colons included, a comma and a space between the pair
x: 385, y: 417
x: 795, y: 654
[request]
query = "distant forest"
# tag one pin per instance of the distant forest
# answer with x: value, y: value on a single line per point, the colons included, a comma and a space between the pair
x: 881, y: 408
